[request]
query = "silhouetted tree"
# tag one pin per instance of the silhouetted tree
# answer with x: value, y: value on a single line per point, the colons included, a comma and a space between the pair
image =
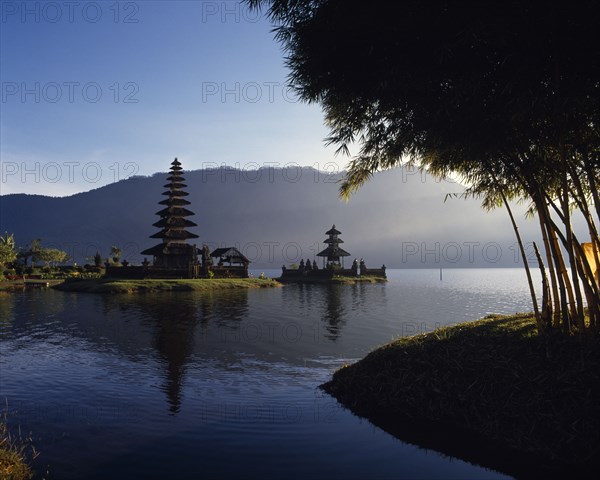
x: 30, y: 251
x: 505, y: 94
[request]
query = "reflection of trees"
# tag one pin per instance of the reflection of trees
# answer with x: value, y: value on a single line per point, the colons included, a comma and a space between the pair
x: 42, y: 306
x: 7, y: 308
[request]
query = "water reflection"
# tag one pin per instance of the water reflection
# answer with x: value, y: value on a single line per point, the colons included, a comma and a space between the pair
x: 6, y: 311
x: 173, y: 320
x: 334, y: 311
x: 173, y: 368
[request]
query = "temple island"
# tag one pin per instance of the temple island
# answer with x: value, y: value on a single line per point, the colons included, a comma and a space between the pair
x: 174, y: 257
x: 333, y: 270
x: 179, y: 265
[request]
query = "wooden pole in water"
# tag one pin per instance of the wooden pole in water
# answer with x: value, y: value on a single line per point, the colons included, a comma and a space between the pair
x: 440, y: 274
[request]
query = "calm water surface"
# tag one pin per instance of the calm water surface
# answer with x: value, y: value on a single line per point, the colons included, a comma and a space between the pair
x: 224, y: 384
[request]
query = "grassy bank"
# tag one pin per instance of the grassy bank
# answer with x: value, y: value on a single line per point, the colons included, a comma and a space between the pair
x: 19, y: 285
x: 361, y: 279
x: 131, y: 286
x: 13, y: 461
x: 493, y: 380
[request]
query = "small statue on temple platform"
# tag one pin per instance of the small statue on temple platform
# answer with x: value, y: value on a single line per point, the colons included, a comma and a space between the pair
x: 207, y: 260
x: 354, y: 267
x: 314, y: 265
x: 308, y: 265
x: 301, y: 266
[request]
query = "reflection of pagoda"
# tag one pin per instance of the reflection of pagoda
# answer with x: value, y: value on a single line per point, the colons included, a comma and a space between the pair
x: 333, y: 253
x: 174, y: 252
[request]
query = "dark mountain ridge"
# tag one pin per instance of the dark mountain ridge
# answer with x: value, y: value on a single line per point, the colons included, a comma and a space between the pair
x: 278, y: 216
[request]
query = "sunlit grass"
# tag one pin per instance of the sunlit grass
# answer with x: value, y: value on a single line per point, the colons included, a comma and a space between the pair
x: 14, y: 454
x: 360, y: 279
x: 130, y: 286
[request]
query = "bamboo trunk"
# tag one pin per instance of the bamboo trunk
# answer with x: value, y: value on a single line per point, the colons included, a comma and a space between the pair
x: 553, y: 277
x: 546, y: 315
x: 536, y: 310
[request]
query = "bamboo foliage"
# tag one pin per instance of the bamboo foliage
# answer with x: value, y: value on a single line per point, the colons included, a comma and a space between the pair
x: 503, y: 94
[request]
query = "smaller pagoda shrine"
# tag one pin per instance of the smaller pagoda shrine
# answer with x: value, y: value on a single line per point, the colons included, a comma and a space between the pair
x: 333, y: 265
x: 333, y: 255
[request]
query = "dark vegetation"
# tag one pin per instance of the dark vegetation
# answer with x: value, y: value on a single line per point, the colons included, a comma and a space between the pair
x: 534, y: 397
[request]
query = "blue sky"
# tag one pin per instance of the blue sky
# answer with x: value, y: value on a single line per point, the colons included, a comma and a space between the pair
x: 95, y: 91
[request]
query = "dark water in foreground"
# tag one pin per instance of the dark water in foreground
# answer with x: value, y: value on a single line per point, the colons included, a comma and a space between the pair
x: 184, y: 385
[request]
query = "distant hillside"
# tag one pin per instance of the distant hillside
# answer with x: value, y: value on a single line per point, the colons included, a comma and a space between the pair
x: 278, y: 216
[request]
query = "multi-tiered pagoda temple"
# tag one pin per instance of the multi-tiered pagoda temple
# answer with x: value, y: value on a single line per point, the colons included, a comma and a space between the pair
x: 333, y: 255
x: 333, y: 266
x: 174, y: 253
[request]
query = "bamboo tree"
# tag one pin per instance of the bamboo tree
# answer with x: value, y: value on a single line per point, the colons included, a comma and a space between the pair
x: 536, y: 310
x: 546, y: 294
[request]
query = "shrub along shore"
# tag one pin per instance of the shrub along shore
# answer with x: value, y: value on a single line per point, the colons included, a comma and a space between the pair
x: 107, y: 285
x: 14, y: 461
x: 492, y: 391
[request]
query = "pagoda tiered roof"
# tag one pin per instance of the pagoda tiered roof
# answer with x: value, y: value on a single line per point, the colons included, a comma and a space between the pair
x: 178, y: 193
x: 174, y: 201
x: 174, y: 186
x: 175, y: 212
x: 333, y: 252
x: 174, y: 234
x: 172, y: 221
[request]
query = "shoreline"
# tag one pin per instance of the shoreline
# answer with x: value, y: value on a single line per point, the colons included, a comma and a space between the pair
x: 338, y: 280
x: 109, y: 285
x: 19, y: 285
x: 491, y: 392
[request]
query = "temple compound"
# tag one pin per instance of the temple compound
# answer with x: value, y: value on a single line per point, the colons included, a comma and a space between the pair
x: 173, y: 257
x: 333, y: 264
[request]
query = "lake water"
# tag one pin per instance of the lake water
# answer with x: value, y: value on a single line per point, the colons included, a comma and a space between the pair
x: 224, y: 384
